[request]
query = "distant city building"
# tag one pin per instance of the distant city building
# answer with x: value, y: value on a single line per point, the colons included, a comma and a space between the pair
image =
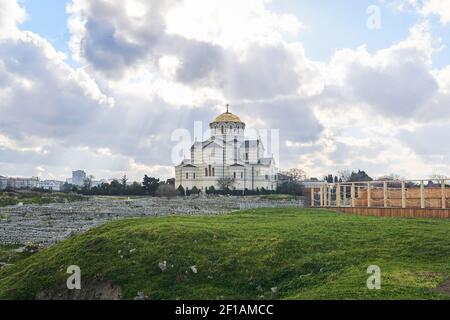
x: 19, y: 183
x: 51, y: 185
x: 78, y: 178
x: 3, y: 183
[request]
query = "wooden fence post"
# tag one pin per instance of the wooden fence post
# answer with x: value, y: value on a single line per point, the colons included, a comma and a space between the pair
x: 338, y: 195
x: 444, y: 195
x: 369, y: 196
x: 329, y: 197
x: 353, y: 196
x: 422, y: 194
x: 312, y: 197
x: 403, y: 195
x: 321, y: 196
x: 385, y: 191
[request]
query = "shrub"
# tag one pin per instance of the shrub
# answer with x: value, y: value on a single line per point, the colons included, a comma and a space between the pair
x: 181, y: 192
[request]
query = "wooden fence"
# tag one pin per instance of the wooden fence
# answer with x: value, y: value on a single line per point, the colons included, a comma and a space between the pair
x: 405, y: 194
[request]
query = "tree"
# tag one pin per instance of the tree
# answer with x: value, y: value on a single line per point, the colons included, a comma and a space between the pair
x: 171, y: 181
x: 115, y: 188
x: 124, y: 182
x: 181, y: 192
x: 294, y: 175
x: 291, y: 188
x: 345, y: 175
x: 226, y: 183
x: 166, y: 190
x: 135, y: 189
x: 211, y: 190
x: 150, y: 184
x: 87, y: 186
x: 359, y: 176
x: 195, y: 191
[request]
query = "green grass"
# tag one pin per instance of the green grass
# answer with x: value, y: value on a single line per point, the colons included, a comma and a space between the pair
x: 31, y: 197
x: 9, y: 255
x: 306, y: 254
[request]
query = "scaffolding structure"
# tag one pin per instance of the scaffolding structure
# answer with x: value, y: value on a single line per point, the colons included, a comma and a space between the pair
x: 423, y: 194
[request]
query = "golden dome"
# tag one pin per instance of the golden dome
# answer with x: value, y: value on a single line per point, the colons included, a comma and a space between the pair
x: 227, y: 117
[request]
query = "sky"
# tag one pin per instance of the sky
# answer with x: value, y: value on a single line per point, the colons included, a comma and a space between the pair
x: 102, y: 85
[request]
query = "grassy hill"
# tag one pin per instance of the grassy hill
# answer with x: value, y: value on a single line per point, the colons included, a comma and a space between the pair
x: 257, y: 254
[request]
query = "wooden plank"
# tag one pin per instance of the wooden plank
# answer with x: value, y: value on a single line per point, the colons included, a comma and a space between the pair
x: 385, y: 194
x: 329, y: 197
x: 398, y: 212
x: 353, y: 196
x: 321, y: 196
x: 369, y: 196
x: 422, y: 194
x: 338, y: 195
x: 403, y: 195
x: 444, y: 194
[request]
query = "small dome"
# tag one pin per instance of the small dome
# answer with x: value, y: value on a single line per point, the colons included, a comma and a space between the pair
x: 227, y: 117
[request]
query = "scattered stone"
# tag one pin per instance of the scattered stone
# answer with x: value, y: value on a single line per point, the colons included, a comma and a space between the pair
x: 274, y: 290
x: 194, y: 269
x: 140, y: 296
x: 162, y: 266
x: 29, y: 223
x: 4, y: 265
x: 132, y: 250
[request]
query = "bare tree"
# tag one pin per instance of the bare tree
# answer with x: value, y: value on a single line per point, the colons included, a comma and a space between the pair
x: 345, y: 175
x: 88, y: 182
x: 226, y: 183
x: 295, y: 175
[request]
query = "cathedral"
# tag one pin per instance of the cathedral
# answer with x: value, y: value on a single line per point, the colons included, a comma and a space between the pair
x: 227, y: 156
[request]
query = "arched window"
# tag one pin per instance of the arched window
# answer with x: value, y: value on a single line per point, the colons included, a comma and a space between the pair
x: 213, y: 172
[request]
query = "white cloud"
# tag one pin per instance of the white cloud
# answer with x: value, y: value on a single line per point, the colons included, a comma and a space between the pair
x: 151, y: 67
x: 234, y: 24
x: 440, y: 8
x: 11, y: 13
